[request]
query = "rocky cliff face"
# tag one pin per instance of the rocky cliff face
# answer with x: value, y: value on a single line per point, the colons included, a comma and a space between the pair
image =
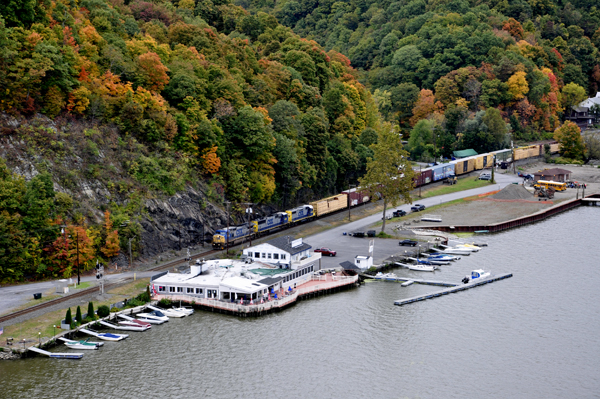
x: 96, y: 168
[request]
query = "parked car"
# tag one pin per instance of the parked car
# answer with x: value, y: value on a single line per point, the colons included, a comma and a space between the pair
x: 399, y: 213
x: 326, y: 251
x: 358, y: 234
x: 412, y: 243
x: 371, y: 233
x: 527, y: 176
x: 485, y: 176
x: 417, y: 208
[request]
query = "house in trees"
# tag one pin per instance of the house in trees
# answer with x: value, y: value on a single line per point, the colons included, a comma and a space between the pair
x: 586, y: 113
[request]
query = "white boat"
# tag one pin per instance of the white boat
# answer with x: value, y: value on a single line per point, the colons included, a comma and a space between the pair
x: 476, y: 275
x: 153, y: 317
x: 471, y: 247
x: 447, y: 257
x: 169, y: 312
x: 452, y: 251
x: 133, y: 322
x: 188, y: 311
x: 83, y: 344
x: 141, y: 320
x: 422, y: 268
x: 104, y: 336
x: 418, y: 268
x: 460, y: 247
x: 136, y: 327
x: 385, y: 276
x: 430, y: 261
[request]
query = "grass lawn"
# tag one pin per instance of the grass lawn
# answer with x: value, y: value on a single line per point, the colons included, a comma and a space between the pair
x: 41, y: 326
x: 461, y: 185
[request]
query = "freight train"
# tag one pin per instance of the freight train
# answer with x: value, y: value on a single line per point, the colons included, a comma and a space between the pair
x: 349, y: 198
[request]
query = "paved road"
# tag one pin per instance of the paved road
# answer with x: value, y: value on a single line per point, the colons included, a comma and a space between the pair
x: 347, y: 247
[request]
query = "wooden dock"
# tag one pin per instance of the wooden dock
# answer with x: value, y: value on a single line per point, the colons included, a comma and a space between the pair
x: 453, y: 289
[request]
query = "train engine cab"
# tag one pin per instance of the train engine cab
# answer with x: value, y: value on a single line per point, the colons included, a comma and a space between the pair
x: 230, y: 235
x: 300, y: 213
x: 271, y: 222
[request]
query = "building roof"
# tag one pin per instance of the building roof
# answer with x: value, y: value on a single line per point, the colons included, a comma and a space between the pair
x: 464, y: 153
x: 243, y: 285
x: 349, y: 266
x: 553, y: 172
x: 270, y: 280
x: 285, y: 244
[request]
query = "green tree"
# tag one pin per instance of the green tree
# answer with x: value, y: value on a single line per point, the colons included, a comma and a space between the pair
x: 572, y: 95
x: 389, y: 173
x: 496, y: 126
x: 68, y: 317
x: 90, y: 311
x: 78, y: 317
x: 570, y: 140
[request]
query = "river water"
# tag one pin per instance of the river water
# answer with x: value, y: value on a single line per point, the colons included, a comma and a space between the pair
x: 535, y: 335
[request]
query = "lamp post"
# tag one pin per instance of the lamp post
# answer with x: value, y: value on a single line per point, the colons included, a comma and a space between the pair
x: 350, y: 187
x: 40, y: 340
x: 227, y: 232
x: 54, y: 331
x: 249, y: 213
x: 23, y: 344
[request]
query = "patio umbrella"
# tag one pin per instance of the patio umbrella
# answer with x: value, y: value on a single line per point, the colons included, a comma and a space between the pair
x: 290, y: 289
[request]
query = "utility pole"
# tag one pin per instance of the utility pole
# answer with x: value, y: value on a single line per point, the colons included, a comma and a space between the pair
x: 350, y: 187
x: 227, y: 234
x: 130, y: 253
x: 420, y: 182
x: 249, y: 213
x: 78, y: 276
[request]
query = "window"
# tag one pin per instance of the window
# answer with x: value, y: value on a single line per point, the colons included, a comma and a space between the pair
x: 264, y: 255
x: 275, y: 256
x: 269, y: 255
x: 171, y: 289
x: 257, y: 254
x: 198, y: 290
x: 283, y: 256
x: 162, y: 288
x: 180, y: 289
x: 190, y: 290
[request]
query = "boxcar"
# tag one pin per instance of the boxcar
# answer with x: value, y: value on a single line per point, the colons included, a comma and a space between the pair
x: 503, y: 155
x: 423, y: 177
x: 357, y: 197
x: 554, y: 147
x: 331, y: 204
x: 464, y: 165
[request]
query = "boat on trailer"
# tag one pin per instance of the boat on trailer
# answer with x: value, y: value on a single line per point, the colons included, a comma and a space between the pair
x: 82, y: 344
x: 104, y: 336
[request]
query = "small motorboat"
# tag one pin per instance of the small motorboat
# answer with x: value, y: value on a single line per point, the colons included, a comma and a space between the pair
x: 169, y: 312
x: 184, y: 309
x: 153, y: 317
x: 104, y: 336
x: 437, y: 262
x: 130, y: 321
x: 418, y: 267
x: 129, y: 327
x: 83, y: 344
x: 443, y: 257
x: 476, y: 275
x: 453, y: 251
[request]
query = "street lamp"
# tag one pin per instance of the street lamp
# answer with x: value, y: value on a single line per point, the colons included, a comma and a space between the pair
x: 40, y: 340
x: 350, y: 187
x: 23, y: 344
x: 54, y: 331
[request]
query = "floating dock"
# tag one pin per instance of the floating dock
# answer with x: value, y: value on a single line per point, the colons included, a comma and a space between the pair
x: 412, y: 280
x: 455, y: 288
x: 56, y: 355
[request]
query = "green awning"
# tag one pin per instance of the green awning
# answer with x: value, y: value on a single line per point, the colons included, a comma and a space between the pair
x: 464, y: 153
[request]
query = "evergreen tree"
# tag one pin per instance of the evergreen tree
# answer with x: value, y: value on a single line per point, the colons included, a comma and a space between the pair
x: 90, y: 311
x: 78, y: 317
x: 68, y: 317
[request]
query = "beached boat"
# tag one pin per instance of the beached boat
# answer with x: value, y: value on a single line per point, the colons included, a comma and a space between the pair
x: 104, y: 336
x: 169, y: 312
x: 476, y: 275
x: 385, y: 276
x: 82, y: 344
x: 153, y: 317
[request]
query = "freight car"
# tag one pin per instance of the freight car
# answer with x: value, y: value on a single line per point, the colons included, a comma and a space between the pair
x: 330, y: 204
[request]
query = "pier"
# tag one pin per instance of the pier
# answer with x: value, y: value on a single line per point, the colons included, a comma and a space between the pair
x: 56, y: 355
x: 451, y: 290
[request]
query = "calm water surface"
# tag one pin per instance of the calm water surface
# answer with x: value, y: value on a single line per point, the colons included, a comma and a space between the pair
x: 536, y: 335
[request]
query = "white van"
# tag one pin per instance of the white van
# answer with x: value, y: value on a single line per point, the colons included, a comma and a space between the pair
x: 485, y: 175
